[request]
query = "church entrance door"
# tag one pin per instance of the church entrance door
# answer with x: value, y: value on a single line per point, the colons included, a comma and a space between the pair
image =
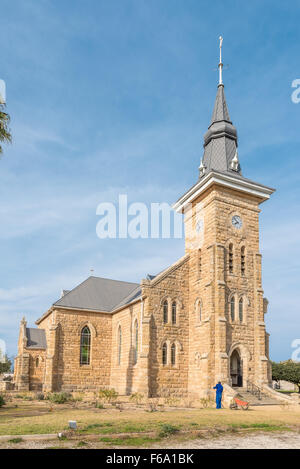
x: 236, y: 369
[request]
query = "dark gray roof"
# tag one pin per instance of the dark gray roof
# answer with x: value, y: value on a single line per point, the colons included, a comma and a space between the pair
x: 220, y: 141
x: 100, y: 294
x: 36, y: 338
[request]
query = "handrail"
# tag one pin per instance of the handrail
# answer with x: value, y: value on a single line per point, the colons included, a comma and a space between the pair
x: 255, y: 390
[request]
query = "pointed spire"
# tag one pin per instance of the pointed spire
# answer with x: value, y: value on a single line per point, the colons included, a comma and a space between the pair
x: 220, y: 112
x: 220, y: 141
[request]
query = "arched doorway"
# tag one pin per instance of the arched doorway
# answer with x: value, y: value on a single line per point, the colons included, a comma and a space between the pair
x: 236, y: 369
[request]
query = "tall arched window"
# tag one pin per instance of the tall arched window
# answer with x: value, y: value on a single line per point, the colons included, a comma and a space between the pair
x: 230, y: 258
x: 241, y: 310
x: 173, y: 354
x: 136, y: 340
x: 119, y: 345
x: 243, y: 263
x: 174, y: 312
x: 164, y: 354
x: 37, y: 362
x: 165, y: 311
x: 85, y: 346
x: 232, y: 308
x: 200, y: 310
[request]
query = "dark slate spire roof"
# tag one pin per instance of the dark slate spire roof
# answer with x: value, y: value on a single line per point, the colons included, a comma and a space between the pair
x: 220, y: 141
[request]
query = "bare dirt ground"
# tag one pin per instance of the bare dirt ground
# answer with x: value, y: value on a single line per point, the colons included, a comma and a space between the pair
x: 261, y: 440
x: 276, y: 440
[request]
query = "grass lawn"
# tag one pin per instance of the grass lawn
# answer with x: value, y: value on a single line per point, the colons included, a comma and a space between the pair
x: 138, y: 427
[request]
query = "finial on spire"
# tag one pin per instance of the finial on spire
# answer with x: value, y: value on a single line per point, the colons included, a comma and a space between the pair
x: 220, y: 66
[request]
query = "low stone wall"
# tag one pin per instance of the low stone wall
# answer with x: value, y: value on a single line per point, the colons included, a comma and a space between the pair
x: 279, y: 396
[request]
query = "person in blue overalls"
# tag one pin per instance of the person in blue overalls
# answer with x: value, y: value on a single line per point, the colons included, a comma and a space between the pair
x: 219, y: 390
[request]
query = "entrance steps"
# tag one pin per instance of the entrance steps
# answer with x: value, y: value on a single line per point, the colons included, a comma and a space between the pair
x: 253, y: 399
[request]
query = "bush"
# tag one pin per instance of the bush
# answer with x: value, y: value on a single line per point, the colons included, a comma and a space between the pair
x: 99, y: 405
x: 39, y: 396
x: 60, y: 397
x: 2, y: 401
x: 137, y: 397
x: 167, y: 430
x: 108, y: 395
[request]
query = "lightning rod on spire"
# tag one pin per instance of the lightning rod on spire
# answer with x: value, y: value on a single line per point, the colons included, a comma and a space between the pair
x: 220, y: 63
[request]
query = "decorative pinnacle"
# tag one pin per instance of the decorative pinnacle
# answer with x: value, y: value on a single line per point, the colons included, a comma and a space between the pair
x: 235, y: 162
x: 220, y: 66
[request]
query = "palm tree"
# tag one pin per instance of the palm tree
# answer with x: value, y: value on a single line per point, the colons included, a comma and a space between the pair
x: 5, y: 135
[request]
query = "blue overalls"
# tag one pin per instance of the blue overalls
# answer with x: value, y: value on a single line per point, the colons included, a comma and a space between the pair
x: 219, y: 389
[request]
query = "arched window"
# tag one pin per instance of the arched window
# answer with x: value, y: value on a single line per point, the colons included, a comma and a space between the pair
x: 173, y: 354
x: 241, y: 310
x: 243, y: 263
x: 119, y: 345
x: 230, y: 258
x: 165, y: 311
x: 85, y: 346
x: 200, y: 310
x: 37, y: 362
x: 174, y: 312
x: 232, y: 308
x: 164, y: 354
x: 136, y: 340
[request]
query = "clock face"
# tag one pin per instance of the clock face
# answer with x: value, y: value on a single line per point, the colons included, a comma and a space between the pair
x: 237, y: 222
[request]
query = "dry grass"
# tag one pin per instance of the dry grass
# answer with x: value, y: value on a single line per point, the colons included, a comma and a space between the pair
x: 38, y: 418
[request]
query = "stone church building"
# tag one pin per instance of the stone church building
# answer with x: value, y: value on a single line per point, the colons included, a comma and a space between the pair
x: 199, y: 321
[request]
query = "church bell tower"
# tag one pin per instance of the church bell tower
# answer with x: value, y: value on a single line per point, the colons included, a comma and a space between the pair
x: 227, y: 336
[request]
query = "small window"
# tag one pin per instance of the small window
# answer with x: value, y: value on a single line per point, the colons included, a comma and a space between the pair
x: 173, y: 355
x: 165, y: 312
x: 232, y: 309
x: 37, y: 362
x: 164, y: 354
x: 174, y: 312
x: 85, y: 346
x: 119, y: 345
x: 136, y: 339
x: 241, y: 310
x: 230, y: 259
x: 243, y: 263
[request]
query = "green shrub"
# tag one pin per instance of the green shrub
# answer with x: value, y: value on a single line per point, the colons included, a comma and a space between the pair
x: 108, y: 395
x: 99, y: 405
x: 137, y: 397
x: 39, y: 396
x: 167, y: 430
x: 60, y: 397
x: 2, y: 401
x: 15, y: 440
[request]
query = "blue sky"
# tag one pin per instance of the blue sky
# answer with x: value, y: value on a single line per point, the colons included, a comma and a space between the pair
x: 110, y: 97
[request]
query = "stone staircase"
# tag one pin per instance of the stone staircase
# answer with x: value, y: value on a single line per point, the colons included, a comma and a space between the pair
x: 254, y: 399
